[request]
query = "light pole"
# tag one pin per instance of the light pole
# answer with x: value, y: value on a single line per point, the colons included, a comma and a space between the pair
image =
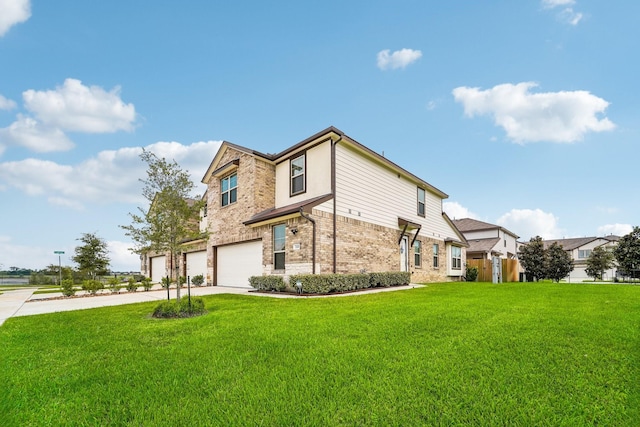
x: 59, y: 253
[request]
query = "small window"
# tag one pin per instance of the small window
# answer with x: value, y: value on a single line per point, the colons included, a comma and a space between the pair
x: 436, y: 249
x: 417, y: 253
x: 584, y: 253
x: 421, y: 202
x: 456, y: 258
x: 505, y: 243
x: 279, y: 246
x: 204, y: 209
x: 229, y: 189
x: 298, y: 175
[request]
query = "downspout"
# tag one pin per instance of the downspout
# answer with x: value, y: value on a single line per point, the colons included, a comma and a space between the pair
x: 333, y: 191
x: 313, y: 240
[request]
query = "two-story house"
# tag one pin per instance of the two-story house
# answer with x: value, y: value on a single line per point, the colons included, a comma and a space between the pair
x: 580, y: 250
x: 327, y: 204
x: 487, y: 240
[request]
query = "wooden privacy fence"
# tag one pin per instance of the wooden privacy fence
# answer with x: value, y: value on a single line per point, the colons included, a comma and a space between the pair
x: 510, y: 270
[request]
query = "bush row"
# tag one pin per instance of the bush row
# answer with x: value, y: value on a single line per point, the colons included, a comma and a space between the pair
x: 330, y: 283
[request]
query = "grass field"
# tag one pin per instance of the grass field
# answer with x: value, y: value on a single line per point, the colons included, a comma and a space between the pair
x: 448, y: 354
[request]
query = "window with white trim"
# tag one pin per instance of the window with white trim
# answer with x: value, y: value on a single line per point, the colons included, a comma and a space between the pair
x: 584, y: 253
x: 279, y: 242
x: 298, y: 166
x: 456, y: 258
x: 229, y: 190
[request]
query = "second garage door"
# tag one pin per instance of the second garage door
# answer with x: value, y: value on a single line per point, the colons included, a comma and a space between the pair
x: 236, y: 263
x: 197, y: 264
x: 158, y: 268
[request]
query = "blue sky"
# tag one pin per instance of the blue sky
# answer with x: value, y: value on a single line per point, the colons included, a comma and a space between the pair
x: 524, y: 112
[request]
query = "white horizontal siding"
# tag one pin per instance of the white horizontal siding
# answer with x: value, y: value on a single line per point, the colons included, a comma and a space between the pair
x: 371, y: 192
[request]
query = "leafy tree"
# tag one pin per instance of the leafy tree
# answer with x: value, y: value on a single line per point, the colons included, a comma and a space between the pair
x: 92, y: 256
x: 600, y: 260
x: 627, y: 253
x: 558, y: 262
x: 172, y: 217
x: 532, y: 258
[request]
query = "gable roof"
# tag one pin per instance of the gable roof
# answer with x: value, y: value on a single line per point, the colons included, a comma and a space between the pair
x: 482, y: 245
x: 329, y: 133
x: 574, y: 243
x: 469, y: 224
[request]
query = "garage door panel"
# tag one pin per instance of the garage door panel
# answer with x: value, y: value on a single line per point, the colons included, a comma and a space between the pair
x: 158, y: 268
x: 197, y: 264
x: 236, y: 263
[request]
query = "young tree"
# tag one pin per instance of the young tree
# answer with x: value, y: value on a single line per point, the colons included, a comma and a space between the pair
x: 532, y: 257
x: 599, y: 261
x: 627, y: 253
x: 172, y: 217
x: 92, y: 256
x: 558, y: 263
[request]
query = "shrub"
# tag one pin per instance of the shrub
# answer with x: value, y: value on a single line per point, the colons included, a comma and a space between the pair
x: 176, y: 309
x: 328, y: 283
x: 267, y: 283
x: 394, y: 278
x: 198, y: 280
x: 166, y: 282
x: 67, y: 287
x: 146, y: 283
x: 113, y: 284
x: 472, y: 274
x: 132, y: 285
x: 92, y: 286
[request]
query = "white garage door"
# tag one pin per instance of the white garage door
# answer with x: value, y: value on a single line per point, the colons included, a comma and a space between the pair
x: 158, y: 268
x: 197, y: 264
x: 236, y: 263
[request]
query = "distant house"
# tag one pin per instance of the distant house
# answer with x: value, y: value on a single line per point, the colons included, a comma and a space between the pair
x: 487, y: 240
x: 327, y: 204
x: 580, y: 249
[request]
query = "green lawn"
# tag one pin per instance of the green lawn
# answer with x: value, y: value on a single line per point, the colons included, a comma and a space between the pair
x: 449, y: 354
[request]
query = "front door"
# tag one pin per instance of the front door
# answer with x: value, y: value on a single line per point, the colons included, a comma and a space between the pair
x: 404, y: 254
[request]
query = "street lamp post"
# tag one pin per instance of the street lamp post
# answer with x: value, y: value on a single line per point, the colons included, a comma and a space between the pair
x: 59, y: 253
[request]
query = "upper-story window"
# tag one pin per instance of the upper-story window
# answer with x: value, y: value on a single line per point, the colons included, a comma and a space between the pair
x: 229, y: 189
x: 456, y: 258
x: 421, y: 201
x: 204, y: 210
x: 298, y: 175
x: 584, y: 253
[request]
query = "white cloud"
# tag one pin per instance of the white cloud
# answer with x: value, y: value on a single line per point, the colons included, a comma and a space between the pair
x: 567, y: 14
x: 564, y: 116
x: 550, y: 4
x: 121, y: 257
x: 109, y: 177
x: 79, y: 108
x: 529, y: 223
x: 13, y: 12
x: 28, y: 132
x: 6, y: 104
x: 456, y: 211
x: 615, y: 229
x: 398, y: 59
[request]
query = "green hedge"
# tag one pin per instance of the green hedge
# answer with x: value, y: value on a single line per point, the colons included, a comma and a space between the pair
x: 330, y: 283
x: 267, y: 283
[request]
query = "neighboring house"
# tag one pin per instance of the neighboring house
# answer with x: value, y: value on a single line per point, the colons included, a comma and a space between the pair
x: 487, y: 240
x: 580, y: 249
x: 327, y: 204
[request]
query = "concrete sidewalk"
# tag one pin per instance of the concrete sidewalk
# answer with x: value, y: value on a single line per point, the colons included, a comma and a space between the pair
x: 23, y: 303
